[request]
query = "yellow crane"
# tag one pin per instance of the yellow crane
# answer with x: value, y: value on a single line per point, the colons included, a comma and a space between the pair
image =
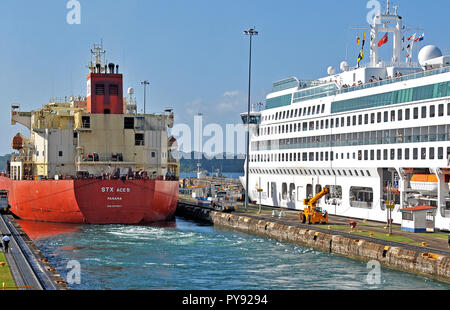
x: 313, y: 214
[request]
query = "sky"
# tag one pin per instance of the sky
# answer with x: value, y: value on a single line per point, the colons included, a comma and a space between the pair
x: 193, y: 52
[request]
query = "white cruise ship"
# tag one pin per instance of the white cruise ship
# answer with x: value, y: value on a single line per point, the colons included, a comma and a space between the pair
x: 377, y: 132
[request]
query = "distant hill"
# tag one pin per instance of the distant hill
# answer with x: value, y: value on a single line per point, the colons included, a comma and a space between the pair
x: 211, y: 165
x: 186, y: 165
x: 3, y: 160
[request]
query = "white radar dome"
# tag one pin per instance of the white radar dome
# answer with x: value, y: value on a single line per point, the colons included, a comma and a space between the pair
x: 130, y: 91
x: 331, y: 70
x: 344, y: 66
x: 428, y: 52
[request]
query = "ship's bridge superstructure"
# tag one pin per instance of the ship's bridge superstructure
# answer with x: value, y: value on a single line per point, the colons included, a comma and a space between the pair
x: 100, y: 134
x: 366, y: 133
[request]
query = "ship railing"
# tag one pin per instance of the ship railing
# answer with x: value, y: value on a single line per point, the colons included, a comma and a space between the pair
x: 367, y: 85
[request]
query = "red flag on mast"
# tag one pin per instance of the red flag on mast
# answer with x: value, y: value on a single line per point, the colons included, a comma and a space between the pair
x: 383, y: 40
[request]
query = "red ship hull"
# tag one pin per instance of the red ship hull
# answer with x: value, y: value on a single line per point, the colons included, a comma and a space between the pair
x: 92, y: 201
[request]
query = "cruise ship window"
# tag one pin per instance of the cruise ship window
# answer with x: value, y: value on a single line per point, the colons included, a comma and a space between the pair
x: 441, y: 110
x: 292, y: 113
x: 448, y: 108
x: 392, y: 154
x: 342, y: 122
x: 372, y: 154
x: 379, y: 117
x: 354, y: 120
x: 332, y: 123
x: 304, y: 111
x: 348, y: 121
x: 311, y: 125
x: 416, y: 113
x: 424, y: 112
x: 366, y: 155
x: 359, y: 119
x: 385, y: 154
x: 423, y: 152
x: 317, y: 124
x: 440, y: 153
x: 378, y: 154
x: 318, y: 109
x: 300, y: 112
x: 415, y: 153
x: 407, y: 115
x: 348, y: 155
x: 296, y: 113
x: 337, y: 122
x: 406, y: 154
x: 305, y: 126
x: 323, y: 108
x: 326, y: 156
x: 309, y: 110
x: 311, y: 156
x: 392, y: 116
x: 432, y: 111
x: 321, y: 124
x: 400, y: 115
x: 431, y: 153
x: 366, y: 119
x: 317, y: 156
x: 368, y: 173
x: 359, y: 155
x: 372, y: 118
x: 313, y: 110
x: 326, y: 124
x: 350, y: 172
x: 399, y: 154
x: 386, y: 114
x: 362, y: 172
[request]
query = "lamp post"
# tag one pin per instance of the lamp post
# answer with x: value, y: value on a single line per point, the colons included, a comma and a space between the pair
x: 250, y: 32
x: 145, y: 83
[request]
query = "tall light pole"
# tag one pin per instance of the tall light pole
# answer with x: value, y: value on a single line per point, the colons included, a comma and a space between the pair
x: 250, y: 32
x: 145, y: 83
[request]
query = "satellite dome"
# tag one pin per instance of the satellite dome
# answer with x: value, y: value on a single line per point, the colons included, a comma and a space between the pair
x: 344, y: 66
x: 130, y: 91
x: 428, y: 52
x: 331, y: 70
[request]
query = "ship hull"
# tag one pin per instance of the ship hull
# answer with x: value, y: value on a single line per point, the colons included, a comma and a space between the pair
x: 92, y: 201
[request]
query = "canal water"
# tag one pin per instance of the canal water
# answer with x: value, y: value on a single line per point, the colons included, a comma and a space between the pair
x: 185, y: 255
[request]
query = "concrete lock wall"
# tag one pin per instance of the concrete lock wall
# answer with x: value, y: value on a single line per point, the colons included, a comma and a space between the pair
x: 427, y: 264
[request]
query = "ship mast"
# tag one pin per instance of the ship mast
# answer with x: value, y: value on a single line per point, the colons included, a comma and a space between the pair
x: 386, y: 23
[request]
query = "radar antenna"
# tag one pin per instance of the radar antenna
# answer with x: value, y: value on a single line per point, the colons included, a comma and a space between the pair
x: 98, y: 58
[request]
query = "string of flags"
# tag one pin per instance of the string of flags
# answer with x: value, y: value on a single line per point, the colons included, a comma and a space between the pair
x: 385, y: 39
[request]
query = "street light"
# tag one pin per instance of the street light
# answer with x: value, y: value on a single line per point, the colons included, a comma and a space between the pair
x: 250, y: 32
x: 145, y: 83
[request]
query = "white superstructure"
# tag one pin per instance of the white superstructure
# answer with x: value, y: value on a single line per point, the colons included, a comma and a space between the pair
x: 371, y: 134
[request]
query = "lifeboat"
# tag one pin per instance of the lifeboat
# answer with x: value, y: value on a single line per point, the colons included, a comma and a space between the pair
x: 424, y: 182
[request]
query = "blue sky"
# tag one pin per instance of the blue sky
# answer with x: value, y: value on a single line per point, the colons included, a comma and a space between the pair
x: 193, y: 52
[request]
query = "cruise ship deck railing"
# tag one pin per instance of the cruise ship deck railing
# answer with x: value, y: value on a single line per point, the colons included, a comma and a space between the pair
x: 406, y: 77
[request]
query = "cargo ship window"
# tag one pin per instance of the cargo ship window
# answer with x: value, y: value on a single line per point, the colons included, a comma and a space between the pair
x: 60, y: 153
x: 129, y: 122
x: 107, y: 111
x: 86, y: 121
x: 139, y: 139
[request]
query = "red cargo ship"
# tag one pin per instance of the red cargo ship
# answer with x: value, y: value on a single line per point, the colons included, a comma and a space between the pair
x: 93, y: 160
